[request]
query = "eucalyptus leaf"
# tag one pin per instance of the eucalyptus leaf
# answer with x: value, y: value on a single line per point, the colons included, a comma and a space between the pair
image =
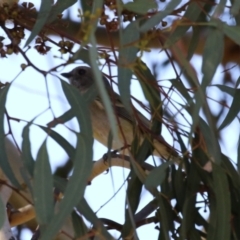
x: 42, y: 18
x: 26, y: 150
x: 43, y: 187
x: 140, y: 6
x: 2, y: 213
x: 158, y: 17
x: 76, y: 186
x: 233, y: 110
x: 223, y: 203
x: 157, y: 176
x: 4, y: 161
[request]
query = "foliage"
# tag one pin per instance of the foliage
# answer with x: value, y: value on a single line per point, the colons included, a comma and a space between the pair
x: 197, y: 178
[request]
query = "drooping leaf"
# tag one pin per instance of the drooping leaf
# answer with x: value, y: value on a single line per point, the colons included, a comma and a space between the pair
x: 2, y: 213
x: 102, y: 90
x: 233, y: 32
x: 27, y: 158
x: 127, y: 57
x: 223, y: 203
x: 43, y: 187
x: 58, y: 8
x: 191, y: 15
x: 4, y: 161
x: 212, y: 55
x: 229, y: 90
x: 140, y: 6
x: 79, y: 107
x: 233, y: 110
x: 82, y: 161
x: 47, y: 13
x: 80, y: 228
x: 42, y: 18
x: 156, y: 176
x: 158, y: 17
x: 89, y: 214
x: 69, y: 149
x: 75, y: 187
x: 65, y: 117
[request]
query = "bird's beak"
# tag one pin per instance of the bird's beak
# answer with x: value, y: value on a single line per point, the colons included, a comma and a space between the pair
x: 66, y: 75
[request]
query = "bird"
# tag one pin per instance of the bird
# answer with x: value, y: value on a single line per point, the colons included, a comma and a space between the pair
x: 82, y: 78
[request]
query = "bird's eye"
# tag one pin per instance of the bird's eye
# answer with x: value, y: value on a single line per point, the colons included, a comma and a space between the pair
x: 81, y: 71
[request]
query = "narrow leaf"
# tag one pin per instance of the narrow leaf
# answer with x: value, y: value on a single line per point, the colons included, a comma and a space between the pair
x: 4, y: 162
x: 58, y: 8
x: 157, y: 18
x: 233, y: 32
x: 140, y: 6
x: 233, y: 110
x: 223, y: 203
x: 191, y: 15
x: 75, y: 187
x: 79, y: 226
x: 27, y: 158
x: 43, y: 187
x: 2, y: 213
x: 156, y: 176
x: 69, y: 149
x: 43, y: 14
x: 65, y: 117
x: 79, y: 107
x: 88, y: 213
x: 103, y: 93
x: 127, y: 57
x: 212, y: 56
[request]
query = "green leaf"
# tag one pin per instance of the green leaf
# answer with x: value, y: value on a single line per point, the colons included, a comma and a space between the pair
x: 2, y: 213
x: 179, y: 186
x: 134, y: 190
x: 43, y: 187
x: 75, y: 187
x: 101, y: 88
x: 233, y: 110
x: 219, y: 7
x: 43, y: 14
x: 178, y: 85
x: 158, y: 17
x: 27, y: 158
x: 238, y: 155
x: 156, y: 176
x: 58, y: 8
x: 229, y: 90
x: 233, y: 32
x: 211, y: 141
x: 79, y: 107
x: 150, y: 89
x: 4, y: 162
x: 163, y: 217
x: 127, y: 57
x: 191, y: 15
x: 212, y: 56
x: 189, y: 211
x: 65, y: 117
x: 81, y: 168
x: 47, y: 14
x: 140, y: 6
x: 82, y: 54
x: 69, y: 149
x: 223, y: 203
x: 79, y: 226
x: 194, y: 43
x: 88, y: 213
